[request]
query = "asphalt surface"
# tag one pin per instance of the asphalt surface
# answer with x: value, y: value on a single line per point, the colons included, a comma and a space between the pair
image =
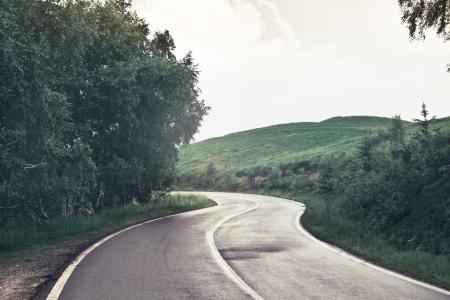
x: 264, y: 254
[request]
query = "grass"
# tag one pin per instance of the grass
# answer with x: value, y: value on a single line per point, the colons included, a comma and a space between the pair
x: 21, y: 240
x: 281, y: 144
x: 278, y: 144
x: 338, y: 230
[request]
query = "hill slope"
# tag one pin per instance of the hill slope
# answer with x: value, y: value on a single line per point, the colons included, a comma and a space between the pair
x: 279, y: 144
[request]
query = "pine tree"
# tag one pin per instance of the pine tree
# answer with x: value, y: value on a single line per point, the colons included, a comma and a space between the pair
x: 424, y: 123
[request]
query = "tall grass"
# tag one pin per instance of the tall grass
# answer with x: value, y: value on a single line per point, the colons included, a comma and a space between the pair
x: 32, y: 236
x: 336, y: 229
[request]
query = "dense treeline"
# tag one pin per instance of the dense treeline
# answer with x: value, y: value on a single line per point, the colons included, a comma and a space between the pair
x: 92, y: 109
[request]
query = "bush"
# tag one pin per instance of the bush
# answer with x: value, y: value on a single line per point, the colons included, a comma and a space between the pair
x: 397, y: 186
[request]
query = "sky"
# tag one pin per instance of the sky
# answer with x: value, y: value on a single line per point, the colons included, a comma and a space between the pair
x: 266, y: 62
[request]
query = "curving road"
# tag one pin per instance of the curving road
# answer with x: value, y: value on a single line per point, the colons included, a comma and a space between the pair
x: 264, y: 254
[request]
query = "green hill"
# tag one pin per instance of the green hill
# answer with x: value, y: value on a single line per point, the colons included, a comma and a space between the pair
x: 279, y: 144
x: 285, y: 143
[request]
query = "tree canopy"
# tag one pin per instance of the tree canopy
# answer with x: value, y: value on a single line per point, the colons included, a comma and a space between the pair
x: 421, y: 16
x: 93, y: 108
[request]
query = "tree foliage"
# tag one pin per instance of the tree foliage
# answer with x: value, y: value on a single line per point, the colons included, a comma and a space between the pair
x: 92, y: 108
x: 398, y: 186
x: 422, y: 15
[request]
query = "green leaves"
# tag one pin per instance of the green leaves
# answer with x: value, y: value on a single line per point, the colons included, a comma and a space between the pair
x: 88, y: 97
x: 400, y: 186
x: 421, y: 15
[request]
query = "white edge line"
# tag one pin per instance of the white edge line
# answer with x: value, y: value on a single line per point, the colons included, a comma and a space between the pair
x: 342, y: 252
x: 62, y: 280
x: 229, y: 272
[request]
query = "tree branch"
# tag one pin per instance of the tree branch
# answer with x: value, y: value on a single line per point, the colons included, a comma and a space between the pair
x: 15, y: 206
x: 31, y: 166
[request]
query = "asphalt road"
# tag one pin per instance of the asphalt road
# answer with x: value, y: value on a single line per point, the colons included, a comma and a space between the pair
x: 264, y: 254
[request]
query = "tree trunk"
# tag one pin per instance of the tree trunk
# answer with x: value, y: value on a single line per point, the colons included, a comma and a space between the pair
x: 64, y: 207
x: 99, y: 201
x: 37, y: 212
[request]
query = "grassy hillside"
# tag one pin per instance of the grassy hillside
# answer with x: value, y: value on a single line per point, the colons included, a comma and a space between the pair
x: 285, y: 143
x: 279, y: 144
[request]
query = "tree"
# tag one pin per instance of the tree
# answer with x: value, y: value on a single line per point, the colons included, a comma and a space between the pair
x: 424, y: 123
x: 397, y: 133
x: 397, y: 130
x: 163, y: 45
x: 92, y: 110
x: 211, y: 172
x: 421, y: 15
x: 37, y: 171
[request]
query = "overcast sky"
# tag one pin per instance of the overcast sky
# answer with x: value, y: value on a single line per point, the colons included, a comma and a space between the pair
x: 266, y: 62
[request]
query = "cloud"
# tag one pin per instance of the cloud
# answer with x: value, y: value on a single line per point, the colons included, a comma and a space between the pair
x: 254, y: 68
x: 267, y: 13
x: 225, y: 24
x: 275, y: 61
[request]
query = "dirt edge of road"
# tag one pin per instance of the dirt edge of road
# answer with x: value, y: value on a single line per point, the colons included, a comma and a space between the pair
x: 30, y: 275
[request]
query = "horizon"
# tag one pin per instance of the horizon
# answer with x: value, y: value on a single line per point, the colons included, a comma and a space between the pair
x: 317, y: 122
x: 274, y: 61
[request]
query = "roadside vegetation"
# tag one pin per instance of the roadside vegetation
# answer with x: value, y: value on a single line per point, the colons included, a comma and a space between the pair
x: 386, y: 199
x: 331, y: 226
x: 20, y: 240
